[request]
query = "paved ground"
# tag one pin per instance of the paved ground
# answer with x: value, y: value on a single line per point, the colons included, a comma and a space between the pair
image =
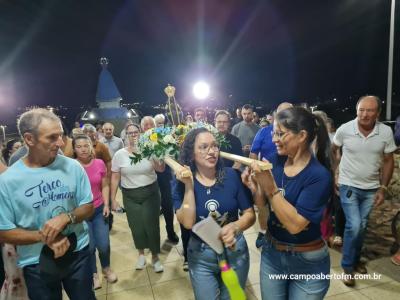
x: 174, y: 283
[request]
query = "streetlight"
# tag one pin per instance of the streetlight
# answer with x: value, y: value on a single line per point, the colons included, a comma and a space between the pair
x: 201, y: 90
x: 390, y: 64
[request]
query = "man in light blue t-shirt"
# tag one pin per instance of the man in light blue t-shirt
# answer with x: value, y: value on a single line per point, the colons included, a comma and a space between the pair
x: 44, y: 200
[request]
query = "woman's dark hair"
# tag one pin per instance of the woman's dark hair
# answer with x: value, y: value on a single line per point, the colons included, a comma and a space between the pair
x: 80, y: 137
x: 6, y: 152
x: 65, y: 129
x: 298, y: 118
x: 186, y: 156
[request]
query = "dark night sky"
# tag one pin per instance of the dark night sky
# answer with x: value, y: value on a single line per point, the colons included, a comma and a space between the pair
x: 262, y: 50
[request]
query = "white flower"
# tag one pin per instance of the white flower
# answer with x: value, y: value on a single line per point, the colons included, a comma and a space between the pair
x: 169, y: 139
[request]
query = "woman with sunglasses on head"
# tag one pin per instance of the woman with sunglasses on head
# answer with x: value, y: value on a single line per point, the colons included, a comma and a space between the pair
x: 140, y: 195
x: 298, y: 188
x: 98, y: 224
x: 217, y: 192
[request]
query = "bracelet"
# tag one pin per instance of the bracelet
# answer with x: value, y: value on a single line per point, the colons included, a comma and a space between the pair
x: 275, y: 193
x: 72, y: 218
x: 383, y: 187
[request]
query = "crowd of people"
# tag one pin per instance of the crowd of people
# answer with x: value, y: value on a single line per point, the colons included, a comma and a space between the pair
x: 58, y: 192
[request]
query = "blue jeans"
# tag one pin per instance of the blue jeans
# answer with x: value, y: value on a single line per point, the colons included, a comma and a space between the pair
x: 99, y: 239
x: 77, y: 284
x: 357, y: 205
x: 290, y: 263
x: 204, y: 270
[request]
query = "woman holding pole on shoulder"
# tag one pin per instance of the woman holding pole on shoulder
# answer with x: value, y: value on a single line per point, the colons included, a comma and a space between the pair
x: 298, y: 188
x: 213, y: 191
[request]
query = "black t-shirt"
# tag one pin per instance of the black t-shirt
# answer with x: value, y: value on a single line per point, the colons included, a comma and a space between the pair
x: 235, y: 148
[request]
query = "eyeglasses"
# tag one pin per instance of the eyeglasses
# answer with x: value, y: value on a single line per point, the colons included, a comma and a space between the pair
x: 204, y: 149
x: 132, y: 132
x: 280, y: 135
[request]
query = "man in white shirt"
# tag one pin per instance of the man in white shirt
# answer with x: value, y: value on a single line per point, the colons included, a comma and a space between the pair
x: 365, y: 169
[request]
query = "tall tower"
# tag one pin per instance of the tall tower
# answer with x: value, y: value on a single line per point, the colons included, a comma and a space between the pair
x: 108, y: 99
x: 107, y: 95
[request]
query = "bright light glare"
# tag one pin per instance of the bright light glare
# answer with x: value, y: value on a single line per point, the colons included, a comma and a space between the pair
x: 201, y: 90
x: 91, y: 116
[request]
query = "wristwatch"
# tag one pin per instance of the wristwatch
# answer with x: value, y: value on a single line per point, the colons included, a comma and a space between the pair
x: 72, y: 218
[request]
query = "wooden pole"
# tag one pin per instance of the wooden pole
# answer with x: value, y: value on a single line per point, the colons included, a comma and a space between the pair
x: 177, y: 167
x: 246, y: 161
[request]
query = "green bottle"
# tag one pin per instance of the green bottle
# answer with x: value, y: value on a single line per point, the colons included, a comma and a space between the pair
x: 231, y: 281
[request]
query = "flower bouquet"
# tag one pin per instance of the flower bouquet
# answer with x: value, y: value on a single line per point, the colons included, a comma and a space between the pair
x: 164, y: 144
x: 221, y: 140
x: 161, y: 144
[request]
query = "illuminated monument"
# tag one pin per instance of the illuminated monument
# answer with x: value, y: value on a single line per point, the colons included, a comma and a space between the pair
x: 108, y: 100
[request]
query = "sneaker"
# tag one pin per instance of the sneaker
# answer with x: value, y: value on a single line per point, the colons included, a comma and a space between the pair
x: 96, y: 281
x: 338, y: 241
x: 185, y: 266
x: 109, y: 275
x: 360, y: 268
x: 348, y: 279
x: 158, y: 267
x: 174, y: 239
x: 141, y: 263
x: 260, y: 240
x: 396, y: 258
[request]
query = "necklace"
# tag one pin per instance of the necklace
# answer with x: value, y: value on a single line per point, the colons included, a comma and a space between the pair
x: 208, y: 188
x: 282, y: 188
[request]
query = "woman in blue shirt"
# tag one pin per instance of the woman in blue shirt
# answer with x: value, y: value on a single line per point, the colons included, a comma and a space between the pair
x: 298, y: 189
x: 218, y: 192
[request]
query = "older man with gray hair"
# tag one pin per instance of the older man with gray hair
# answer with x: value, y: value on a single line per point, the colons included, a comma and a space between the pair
x: 45, y: 199
x: 147, y: 122
x: 159, y: 120
x: 365, y: 168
